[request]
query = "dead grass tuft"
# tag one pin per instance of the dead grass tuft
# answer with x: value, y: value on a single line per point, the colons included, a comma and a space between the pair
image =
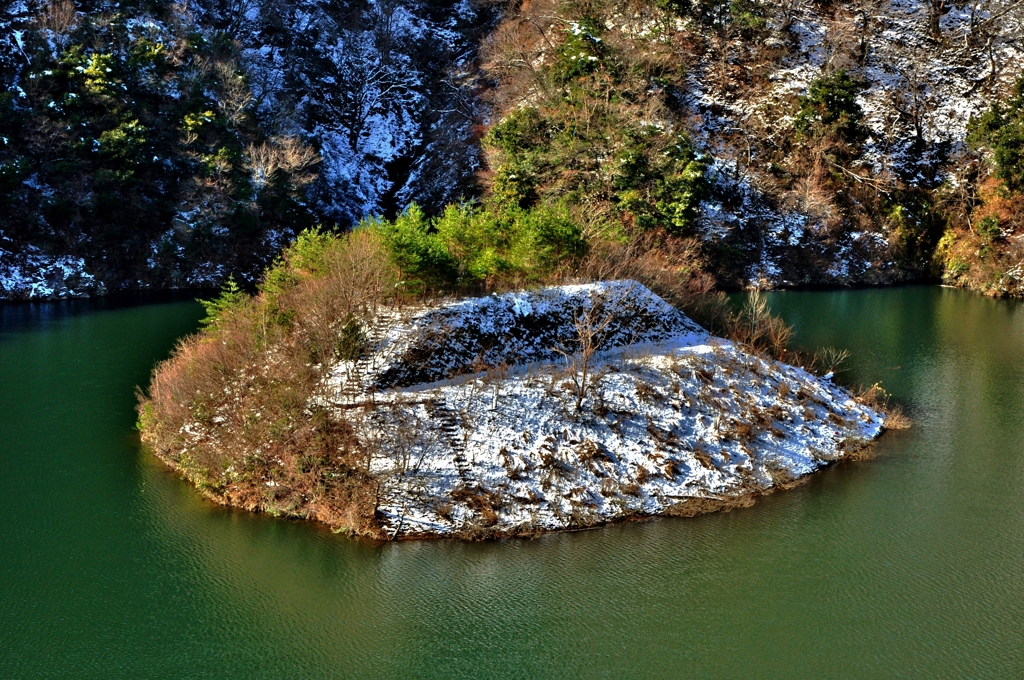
x: 703, y: 458
x: 877, y: 398
x: 896, y: 419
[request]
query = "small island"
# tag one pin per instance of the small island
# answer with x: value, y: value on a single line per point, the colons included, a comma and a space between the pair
x: 561, y: 407
x: 574, y: 406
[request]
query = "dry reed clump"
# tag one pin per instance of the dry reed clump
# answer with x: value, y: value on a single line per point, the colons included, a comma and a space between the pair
x: 231, y: 410
x: 692, y: 507
x: 877, y: 398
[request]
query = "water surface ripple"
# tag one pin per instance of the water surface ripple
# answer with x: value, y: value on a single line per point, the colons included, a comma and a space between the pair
x: 906, y: 565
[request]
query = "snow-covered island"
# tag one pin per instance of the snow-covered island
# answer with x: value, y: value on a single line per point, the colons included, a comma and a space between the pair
x: 574, y: 406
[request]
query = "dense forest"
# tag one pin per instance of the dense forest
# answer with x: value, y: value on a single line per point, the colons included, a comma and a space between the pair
x: 742, y: 142
x: 151, y: 144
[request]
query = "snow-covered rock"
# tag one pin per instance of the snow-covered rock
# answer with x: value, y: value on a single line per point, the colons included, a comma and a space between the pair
x: 32, y: 275
x: 489, y: 416
x: 511, y: 330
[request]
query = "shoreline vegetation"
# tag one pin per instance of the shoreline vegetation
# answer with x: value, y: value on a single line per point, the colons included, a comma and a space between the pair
x: 238, y: 408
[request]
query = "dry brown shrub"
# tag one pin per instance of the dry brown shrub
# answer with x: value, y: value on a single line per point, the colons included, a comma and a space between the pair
x: 281, y: 154
x: 783, y: 389
x: 643, y: 475
x: 743, y: 431
x: 691, y: 507
x: 609, y: 487
x: 703, y: 458
x: 757, y: 328
x: 59, y: 19
x: 630, y: 489
x: 895, y: 418
x: 231, y: 407
x: 877, y: 398
x: 781, y: 475
x: 484, y: 502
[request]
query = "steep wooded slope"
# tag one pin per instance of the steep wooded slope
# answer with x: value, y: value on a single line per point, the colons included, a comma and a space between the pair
x: 801, y: 142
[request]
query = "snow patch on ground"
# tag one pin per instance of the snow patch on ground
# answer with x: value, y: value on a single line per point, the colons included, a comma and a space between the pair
x: 509, y: 330
x: 518, y: 437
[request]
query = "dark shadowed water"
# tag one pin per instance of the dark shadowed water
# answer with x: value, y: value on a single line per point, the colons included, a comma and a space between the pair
x: 911, y: 564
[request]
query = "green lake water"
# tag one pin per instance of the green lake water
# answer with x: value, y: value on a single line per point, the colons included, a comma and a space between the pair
x: 910, y: 564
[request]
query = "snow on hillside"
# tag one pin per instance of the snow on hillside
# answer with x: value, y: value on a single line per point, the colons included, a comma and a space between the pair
x: 384, y: 92
x: 382, y: 89
x: 32, y: 275
x: 387, y: 93
x: 518, y: 437
x: 15, y: 20
x: 920, y: 91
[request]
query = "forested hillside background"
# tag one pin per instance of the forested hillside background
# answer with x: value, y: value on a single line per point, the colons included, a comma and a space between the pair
x: 159, y: 144
x: 793, y: 142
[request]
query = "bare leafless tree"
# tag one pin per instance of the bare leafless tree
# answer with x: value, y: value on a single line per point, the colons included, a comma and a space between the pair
x: 910, y: 98
x: 234, y: 97
x: 865, y: 14
x: 241, y: 12
x: 59, y: 19
x: 936, y: 10
x: 590, y: 324
x: 281, y: 154
x: 787, y: 12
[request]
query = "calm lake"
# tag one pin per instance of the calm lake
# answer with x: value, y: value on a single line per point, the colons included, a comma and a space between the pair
x: 910, y: 564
